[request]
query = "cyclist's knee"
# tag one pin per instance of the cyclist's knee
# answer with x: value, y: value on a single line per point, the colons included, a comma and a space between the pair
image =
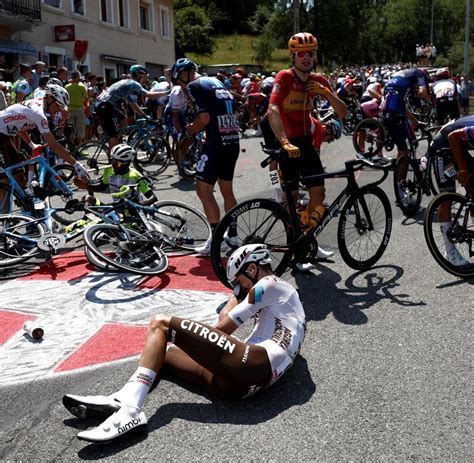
x: 159, y: 322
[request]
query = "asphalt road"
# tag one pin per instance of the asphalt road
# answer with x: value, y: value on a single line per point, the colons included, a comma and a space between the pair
x: 385, y: 372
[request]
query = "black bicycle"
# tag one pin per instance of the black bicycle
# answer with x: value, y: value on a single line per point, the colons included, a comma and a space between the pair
x: 365, y: 223
x: 449, y: 232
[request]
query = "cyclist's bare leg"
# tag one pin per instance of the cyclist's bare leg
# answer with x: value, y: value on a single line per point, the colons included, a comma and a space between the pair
x: 205, y: 193
x: 402, y: 173
x: 227, y: 191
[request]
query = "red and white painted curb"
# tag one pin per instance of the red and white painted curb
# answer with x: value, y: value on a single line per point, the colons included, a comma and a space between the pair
x: 91, y: 318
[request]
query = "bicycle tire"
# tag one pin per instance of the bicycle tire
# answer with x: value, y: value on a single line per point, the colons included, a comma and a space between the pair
x: 17, y: 249
x: 185, y: 158
x: 433, y: 184
x: 124, y: 248
x: 186, y: 226
x: 258, y: 221
x: 370, y: 201
x: 94, y: 155
x: 408, y: 191
x: 20, y: 204
x: 435, y: 239
x: 99, y: 263
x: 67, y: 174
x: 153, y: 155
x: 372, y: 132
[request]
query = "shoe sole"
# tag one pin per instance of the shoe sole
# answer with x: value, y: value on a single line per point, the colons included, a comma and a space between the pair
x: 142, y: 428
x: 82, y: 410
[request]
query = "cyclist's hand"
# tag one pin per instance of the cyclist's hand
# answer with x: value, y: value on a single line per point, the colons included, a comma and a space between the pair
x: 463, y: 177
x: 292, y: 150
x: 80, y: 171
x: 315, y: 88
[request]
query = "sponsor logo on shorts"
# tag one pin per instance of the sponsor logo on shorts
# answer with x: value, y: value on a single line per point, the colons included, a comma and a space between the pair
x: 246, y: 354
x: 281, y: 335
x: 205, y: 333
x: 173, y: 336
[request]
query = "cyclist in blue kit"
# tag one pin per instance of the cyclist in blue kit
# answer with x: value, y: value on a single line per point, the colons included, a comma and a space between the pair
x: 396, y: 116
x: 214, y: 107
x: 110, y: 102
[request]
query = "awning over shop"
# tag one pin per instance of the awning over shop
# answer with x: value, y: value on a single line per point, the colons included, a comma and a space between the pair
x: 119, y: 60
x: 15, y: 46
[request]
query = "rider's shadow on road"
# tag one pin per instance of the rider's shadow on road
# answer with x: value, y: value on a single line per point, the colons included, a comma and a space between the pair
x: 321, y: 295
x: 260, y: 408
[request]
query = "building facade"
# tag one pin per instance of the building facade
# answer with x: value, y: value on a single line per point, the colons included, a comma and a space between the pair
x: 101, y: 36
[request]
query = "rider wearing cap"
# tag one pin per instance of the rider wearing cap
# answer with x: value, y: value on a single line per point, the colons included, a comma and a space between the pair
x: 20, y: 118
x: 109, y: 103
x: 206, y: 355
x: 289, y: 115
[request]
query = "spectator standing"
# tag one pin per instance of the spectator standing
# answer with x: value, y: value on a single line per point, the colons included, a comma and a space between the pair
x: 40, y: 91
x: 38, y: 71
x: 464, y: 93
x: 22, y: 86
x: 79, y: 102
x: 63, y: 75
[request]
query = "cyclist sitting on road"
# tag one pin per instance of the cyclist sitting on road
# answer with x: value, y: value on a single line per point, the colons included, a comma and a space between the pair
x: 109, y: 102
x: 120, y: 173
x: 396, y: 115
x: 208, y: 356
x: 458, y: 136
x: 20, y: 118
x: 289, y: 115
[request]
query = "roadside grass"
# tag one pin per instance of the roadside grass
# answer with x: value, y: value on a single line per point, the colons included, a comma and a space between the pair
x: 239, y: 49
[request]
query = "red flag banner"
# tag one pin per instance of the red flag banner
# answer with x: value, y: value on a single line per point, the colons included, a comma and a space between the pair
x: 80, y: 49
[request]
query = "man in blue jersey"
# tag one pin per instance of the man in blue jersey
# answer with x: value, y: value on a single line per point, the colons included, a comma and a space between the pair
x: 110, y: 102
x: 396, y: 114
x: 216, y: 164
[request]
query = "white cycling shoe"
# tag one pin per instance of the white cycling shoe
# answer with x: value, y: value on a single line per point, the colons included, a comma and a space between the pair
x: 205, y: 249
x: 124, y: 420
x: 323, y: 254
x: 455, y: 258
x: 92, y: 406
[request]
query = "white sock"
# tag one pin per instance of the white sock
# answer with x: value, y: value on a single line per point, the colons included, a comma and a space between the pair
x: 444, y: 226
x: 137, y: 388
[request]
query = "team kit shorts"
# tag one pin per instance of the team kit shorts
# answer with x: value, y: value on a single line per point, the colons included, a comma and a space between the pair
x: 110, y: 118
x: 217, y: 162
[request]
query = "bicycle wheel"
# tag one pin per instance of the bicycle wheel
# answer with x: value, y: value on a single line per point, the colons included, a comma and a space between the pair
x: 95, y: 157
x: 369, y: 137
x: 11, y: 201
x: 126, y: 249
x: 449, y: 233
x: 407, y: 185
x: 153, y: 155
x: 18, y: 237
x: 256, y: 221
x: 431, y: 176
x: 186, y: 226
x: 66, y: 173
x: 97, y: 262
x: 364, y: 227
x: 186, y: 156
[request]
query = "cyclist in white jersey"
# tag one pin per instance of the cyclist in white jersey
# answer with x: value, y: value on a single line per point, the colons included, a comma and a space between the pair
x: 20, y: 118
x: 176, y: 110
x: 209, y: 356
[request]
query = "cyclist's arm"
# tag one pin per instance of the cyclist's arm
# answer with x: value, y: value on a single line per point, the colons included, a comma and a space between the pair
x: 26, y: 138
x: 225, y: 323
x: 423, y: 93
x: 276, y: 123
x: 147, y: 192
x: 175, y: 117
x: 96, y: 187
x: 199, y: 123
x: 338, y: 105
x: 410, y: 116
x: 136, y: 108
x: 58, y: 149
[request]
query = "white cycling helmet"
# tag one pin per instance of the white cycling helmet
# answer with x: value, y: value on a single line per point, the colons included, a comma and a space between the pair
x: 256, y: 253
x: 122, y: 153
x: 59, y: 93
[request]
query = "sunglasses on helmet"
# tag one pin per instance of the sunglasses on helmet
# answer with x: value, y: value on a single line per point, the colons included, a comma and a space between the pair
x: 303, y: 54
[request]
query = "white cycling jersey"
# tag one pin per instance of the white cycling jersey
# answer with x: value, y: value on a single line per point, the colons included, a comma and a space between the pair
x: 177, y: 100
x: 24, y: 116
x: 445, y: 88
x: 279, y: 321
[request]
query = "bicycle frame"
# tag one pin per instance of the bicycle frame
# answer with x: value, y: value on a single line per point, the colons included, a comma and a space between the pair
x: 350, y: 189
x: 43, y: 169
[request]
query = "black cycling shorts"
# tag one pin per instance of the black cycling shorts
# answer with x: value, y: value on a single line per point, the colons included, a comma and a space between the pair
x: 110, y: 118
x: 446, y: 109
x: 217, y: 163
x: 227, y: 367
x: 9, y: 155
x: 399, y: 129
x: 445, y: 181
x: 309, y: 163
